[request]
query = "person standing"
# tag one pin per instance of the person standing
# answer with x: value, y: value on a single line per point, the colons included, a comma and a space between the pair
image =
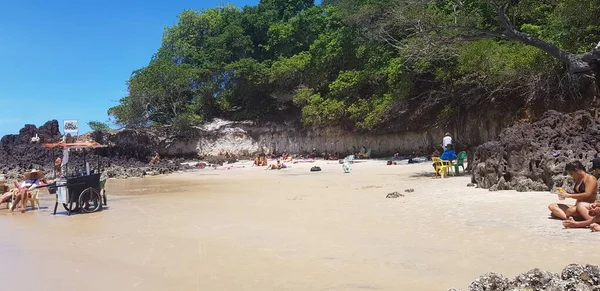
x: 57, y: 167
x: 447, y: 140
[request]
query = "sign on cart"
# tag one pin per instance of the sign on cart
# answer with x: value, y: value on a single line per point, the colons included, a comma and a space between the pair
x: 71, y: 126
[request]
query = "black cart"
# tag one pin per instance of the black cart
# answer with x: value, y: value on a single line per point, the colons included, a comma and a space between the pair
x: 80, y: 192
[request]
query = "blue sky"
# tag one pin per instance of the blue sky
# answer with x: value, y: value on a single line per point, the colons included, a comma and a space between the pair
x: 64, y: 59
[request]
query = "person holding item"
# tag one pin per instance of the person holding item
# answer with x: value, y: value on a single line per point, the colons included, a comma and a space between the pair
x: 589, y: 210
x: 585, y: 190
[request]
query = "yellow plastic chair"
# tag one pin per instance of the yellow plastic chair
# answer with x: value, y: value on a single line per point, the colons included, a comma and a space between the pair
x: 34, y: 198
x: 442, y: 167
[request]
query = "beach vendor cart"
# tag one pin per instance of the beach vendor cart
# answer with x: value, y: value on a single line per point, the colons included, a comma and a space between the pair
x: 81, y: 188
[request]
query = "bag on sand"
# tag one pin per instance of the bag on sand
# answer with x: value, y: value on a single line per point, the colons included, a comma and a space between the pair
x: 315, y: 169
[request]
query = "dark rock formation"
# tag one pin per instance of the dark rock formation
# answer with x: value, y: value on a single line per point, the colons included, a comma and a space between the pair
x: 489, y: 281
x: 574, y: 277
x: 532, y: 156
x: 128, y: 157
x: 394, y: 195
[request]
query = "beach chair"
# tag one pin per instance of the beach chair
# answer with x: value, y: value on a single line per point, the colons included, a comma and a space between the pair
x: 442, y: 167
x: 34, y: 199
x: 349, y: 159
x: 460, y: 159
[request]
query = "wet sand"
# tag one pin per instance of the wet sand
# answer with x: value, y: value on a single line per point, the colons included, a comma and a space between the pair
x: 251, y: 229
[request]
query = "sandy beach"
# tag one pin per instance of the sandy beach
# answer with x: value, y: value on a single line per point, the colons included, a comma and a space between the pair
x: 252, y: 229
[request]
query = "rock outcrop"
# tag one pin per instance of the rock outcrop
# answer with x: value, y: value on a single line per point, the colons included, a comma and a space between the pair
x: 573, y: 277
x: 532, y: 156
x: 19, y: 153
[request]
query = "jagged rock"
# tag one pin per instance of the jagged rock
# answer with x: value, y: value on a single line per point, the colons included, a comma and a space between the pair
x: 535, y: 280
x: 127, y: 158
x: 532, y: 156
x: 490, y: 281
x: 394, y: 195
x: 574, y: 277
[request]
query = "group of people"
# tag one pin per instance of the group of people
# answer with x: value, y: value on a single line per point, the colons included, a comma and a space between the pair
x: 21, y: 191
x: 586, y: 210
x: 449, y: 154
x: 262, y: 161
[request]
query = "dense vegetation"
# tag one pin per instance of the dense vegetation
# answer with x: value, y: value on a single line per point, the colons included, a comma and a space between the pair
x: 353, y: 63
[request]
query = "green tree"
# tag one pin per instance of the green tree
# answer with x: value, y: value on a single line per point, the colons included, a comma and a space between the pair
x: 98, y: 126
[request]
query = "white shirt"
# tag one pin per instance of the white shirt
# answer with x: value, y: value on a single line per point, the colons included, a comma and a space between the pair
x: 447, y: 141
x: 30, y: 182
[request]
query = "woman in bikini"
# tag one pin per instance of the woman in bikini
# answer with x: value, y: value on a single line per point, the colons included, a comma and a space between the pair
x: 591, y: 210
x: 585, y: 191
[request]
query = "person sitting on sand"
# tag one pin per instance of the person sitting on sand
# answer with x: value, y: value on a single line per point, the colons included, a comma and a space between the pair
x: 286, y: 157
x: 586, y: 209
x: 261, y: 160
x: 313, y: 153
x: 585, y: 190
x: 155, y: 159
x: 31, y: 181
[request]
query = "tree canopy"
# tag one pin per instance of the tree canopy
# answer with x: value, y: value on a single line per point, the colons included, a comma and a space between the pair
x: 355, y: 63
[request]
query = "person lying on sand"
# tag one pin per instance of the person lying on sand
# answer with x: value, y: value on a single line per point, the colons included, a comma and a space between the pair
x: 277, y: 166
x: 586, y: 211
x: 585, y: 190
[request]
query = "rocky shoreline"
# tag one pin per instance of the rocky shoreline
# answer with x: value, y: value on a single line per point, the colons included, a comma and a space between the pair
x: 18, y: 153
x: 531, y: 156
x: 573, y: 277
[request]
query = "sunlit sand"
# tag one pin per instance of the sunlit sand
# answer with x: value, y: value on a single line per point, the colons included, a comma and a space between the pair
x: 251, y: 229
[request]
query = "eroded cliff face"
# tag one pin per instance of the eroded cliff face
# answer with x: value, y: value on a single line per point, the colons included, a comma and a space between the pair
x: 246, y: 139
x: 132, y: 148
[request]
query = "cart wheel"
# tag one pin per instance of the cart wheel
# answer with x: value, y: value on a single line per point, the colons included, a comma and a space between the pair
x: 90, y: 200
x: 74, y: 207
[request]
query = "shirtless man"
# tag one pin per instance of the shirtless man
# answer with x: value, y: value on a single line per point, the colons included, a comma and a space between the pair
x: 590, y: 209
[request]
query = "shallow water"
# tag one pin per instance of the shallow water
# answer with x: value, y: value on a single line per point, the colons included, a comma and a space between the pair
x: 248, y: 229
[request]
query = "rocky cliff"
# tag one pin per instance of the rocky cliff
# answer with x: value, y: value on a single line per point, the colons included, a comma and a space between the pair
x: 19, y: 153
x: 249, y: 138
